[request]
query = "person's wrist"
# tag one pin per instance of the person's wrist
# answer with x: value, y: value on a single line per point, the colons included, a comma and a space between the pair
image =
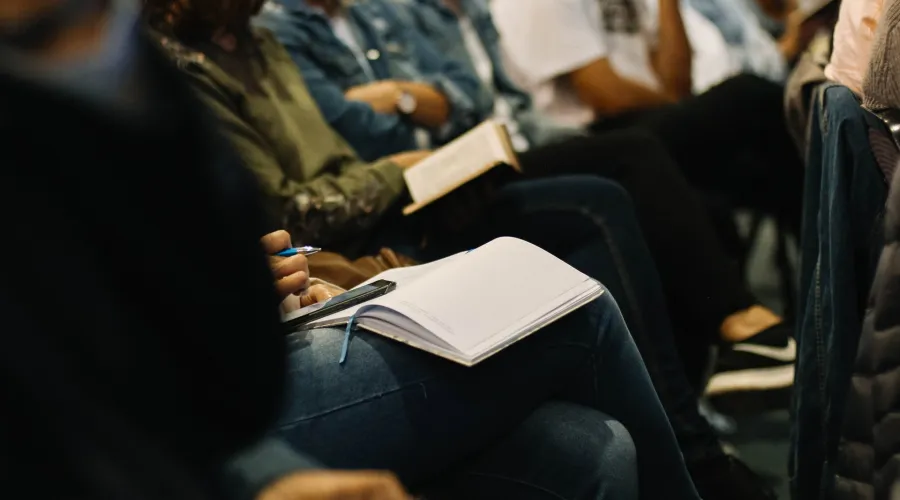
x: 405, y: 103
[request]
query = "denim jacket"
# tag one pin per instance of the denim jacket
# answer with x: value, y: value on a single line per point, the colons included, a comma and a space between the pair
x: 437, y: 22
x: 394, y: 51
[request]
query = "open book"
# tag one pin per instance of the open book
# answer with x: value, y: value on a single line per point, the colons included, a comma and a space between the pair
x: 469, y: 156
x: 470, y: 306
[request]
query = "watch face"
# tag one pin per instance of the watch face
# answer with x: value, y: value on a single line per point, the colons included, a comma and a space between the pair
x: 407, y: 103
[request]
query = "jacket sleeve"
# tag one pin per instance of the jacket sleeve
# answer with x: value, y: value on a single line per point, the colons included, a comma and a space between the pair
x: 323, y: 210
x: 469, y: 103
x: 372, y: 134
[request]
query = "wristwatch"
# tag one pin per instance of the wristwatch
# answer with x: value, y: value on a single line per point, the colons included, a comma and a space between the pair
x: 406, y: 103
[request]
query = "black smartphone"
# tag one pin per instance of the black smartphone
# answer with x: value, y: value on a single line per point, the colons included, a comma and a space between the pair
x: 298, y: 318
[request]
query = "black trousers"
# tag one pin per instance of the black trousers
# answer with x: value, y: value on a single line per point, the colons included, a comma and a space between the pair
x: 701, y: 282
x: 731, y: 140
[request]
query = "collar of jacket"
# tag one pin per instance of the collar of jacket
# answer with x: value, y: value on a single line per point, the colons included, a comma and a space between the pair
x: 473, y: 9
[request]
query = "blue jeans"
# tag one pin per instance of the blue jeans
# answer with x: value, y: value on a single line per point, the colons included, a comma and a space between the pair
x: 843, y: 200
x: 591, y: 223
x: 491, y: 431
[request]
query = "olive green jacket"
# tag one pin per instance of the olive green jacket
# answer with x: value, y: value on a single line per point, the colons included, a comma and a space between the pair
x: 314, y: 183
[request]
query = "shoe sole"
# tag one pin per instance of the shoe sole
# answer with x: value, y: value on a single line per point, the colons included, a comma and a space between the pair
x: 756, y: 379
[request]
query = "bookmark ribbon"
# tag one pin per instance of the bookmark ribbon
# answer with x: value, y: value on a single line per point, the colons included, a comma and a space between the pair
x: 345, y: 347
x: 351, y: 324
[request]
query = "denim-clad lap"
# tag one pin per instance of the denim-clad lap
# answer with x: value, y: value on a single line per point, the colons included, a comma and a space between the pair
x: 391, y: 406
x: 591, y: 224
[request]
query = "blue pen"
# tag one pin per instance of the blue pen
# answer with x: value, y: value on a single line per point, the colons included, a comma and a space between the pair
x: 290, y: 252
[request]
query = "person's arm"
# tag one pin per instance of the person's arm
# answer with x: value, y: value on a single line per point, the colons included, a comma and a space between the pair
x: 409, y: 158
x: 449, y: 97
x: 672, y: 55
x: 789, y: 44
x: 451, y: 78
x: 250, y: 472
x: 271, y: 470
x: 322, y: 210
x: 416, y: 15
x: 574, y: 47
x: 372, y: 134
x: 337, y: 485
x: 600, y: 87
x: 432, y: 108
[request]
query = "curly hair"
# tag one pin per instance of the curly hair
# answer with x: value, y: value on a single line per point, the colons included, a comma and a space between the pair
x: 192, y: 20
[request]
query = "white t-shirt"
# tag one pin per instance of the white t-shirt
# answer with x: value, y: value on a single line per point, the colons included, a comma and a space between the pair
x: 503, y: 112
x: 546, y: 39
x: 712, y: 60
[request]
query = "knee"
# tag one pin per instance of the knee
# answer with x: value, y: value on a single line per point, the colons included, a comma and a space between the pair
x: 753, y: 89
x: 749, y: 80
x: 592, y: 453
x: 605, y: 310
x: 600, y: 196
x: 615, y: 473
x: 606, y: 453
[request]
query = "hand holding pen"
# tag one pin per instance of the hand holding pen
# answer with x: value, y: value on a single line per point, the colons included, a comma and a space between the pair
x: 290, y: 252
x: 288, y: 264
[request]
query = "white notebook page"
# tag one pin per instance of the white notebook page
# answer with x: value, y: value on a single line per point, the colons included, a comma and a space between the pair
x: 402, y: 276
x: 479, y: 295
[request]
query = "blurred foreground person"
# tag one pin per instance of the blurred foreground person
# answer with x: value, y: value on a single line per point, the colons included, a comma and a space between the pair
x: 137, y: 364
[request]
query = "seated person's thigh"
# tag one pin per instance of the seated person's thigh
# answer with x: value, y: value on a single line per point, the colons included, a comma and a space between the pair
x: 394, y: 407
x: 562, y: 450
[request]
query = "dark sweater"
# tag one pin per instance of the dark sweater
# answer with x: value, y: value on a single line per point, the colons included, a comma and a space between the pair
x: 141, y: 342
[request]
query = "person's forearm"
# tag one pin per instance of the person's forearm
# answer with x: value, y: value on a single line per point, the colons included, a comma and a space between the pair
x: 609, y: 95
x: 432, y: 107
x: 672, y: 58
x: 408, y: 158
x: 790, y: 42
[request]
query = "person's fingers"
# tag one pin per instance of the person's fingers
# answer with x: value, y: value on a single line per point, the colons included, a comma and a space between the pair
x: 316, y: 294
x: 291, y: 274
x: 336, y: 485
x: 282, y: 267
x: 356, y: 92
x: 294, y: 283
x: 290, y: 303
x: 371, y: 485
x: 276, y: 241
x: 385, y: 486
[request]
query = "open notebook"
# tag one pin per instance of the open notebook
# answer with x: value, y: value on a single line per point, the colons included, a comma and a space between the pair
x: 469, y: 156
x: 472, y: 305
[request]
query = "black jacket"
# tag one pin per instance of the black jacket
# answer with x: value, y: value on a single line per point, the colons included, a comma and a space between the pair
x: 141, y: 343
x: 868, y: 463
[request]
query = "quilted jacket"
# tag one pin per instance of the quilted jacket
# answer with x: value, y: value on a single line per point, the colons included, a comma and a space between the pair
x: 868, y: 462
